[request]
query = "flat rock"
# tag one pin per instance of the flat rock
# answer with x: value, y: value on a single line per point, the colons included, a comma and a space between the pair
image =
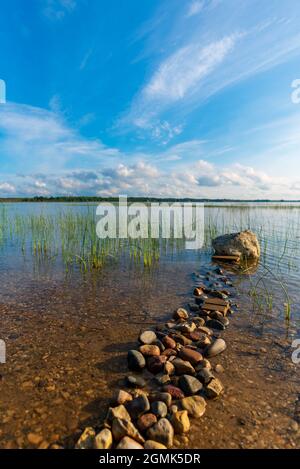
x: 162, y: 432
x: 129, y: 443
x: 195, y: 405
x: 217, y: 347
x: 136, y: 361
x: 190, y: 385
x: 147, y: 337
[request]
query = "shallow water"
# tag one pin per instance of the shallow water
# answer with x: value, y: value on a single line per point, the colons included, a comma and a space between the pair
x: 67, y: 330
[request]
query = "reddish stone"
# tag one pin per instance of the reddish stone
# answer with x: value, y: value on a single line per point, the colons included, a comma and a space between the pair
x: 169, y: 342
x: 146, y: 421
x: 156, y: 364
x: 190, y: 355
x: 175, y: 392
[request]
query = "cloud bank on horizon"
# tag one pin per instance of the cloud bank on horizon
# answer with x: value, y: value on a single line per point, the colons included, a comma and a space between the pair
x: 168, y: 98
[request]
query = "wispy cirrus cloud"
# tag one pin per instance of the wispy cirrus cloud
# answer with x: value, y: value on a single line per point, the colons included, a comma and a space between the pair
x: 58, y: 9
x: 194, y: 8
x: 200, y: 59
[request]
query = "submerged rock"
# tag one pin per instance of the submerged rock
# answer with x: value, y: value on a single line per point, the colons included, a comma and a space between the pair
x: 243, y: 244
x: 135, y: 381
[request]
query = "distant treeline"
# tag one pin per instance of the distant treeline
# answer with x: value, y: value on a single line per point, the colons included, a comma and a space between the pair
x: 131, y: 199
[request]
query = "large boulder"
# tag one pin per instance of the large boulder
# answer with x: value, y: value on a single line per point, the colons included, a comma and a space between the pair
x: 244, y: 244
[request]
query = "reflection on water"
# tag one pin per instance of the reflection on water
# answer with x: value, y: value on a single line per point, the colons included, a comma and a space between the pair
x: 56, y: 238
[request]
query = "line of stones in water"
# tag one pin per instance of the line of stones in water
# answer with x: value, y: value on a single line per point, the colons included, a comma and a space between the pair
x: 171, y: 375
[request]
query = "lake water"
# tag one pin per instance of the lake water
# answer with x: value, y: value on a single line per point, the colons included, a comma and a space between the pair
x: 70, y: 308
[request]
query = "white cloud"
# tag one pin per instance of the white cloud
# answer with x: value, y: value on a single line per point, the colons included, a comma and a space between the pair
x: 35, y: 137
x: 6, y: 188
x: 185, y: 69
x: 194, y: 8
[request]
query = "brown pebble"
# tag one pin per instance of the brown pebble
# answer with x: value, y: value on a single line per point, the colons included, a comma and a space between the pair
x: 146, y: 421
x: 168, y: 342
x: 190, y: 355
x: 34, y: 439
x: 149, y: 350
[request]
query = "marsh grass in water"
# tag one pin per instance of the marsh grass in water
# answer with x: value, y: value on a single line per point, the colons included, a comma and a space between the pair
x: 67, y: 235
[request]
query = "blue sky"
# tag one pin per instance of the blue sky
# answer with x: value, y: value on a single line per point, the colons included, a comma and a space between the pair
x: 188, y: 98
